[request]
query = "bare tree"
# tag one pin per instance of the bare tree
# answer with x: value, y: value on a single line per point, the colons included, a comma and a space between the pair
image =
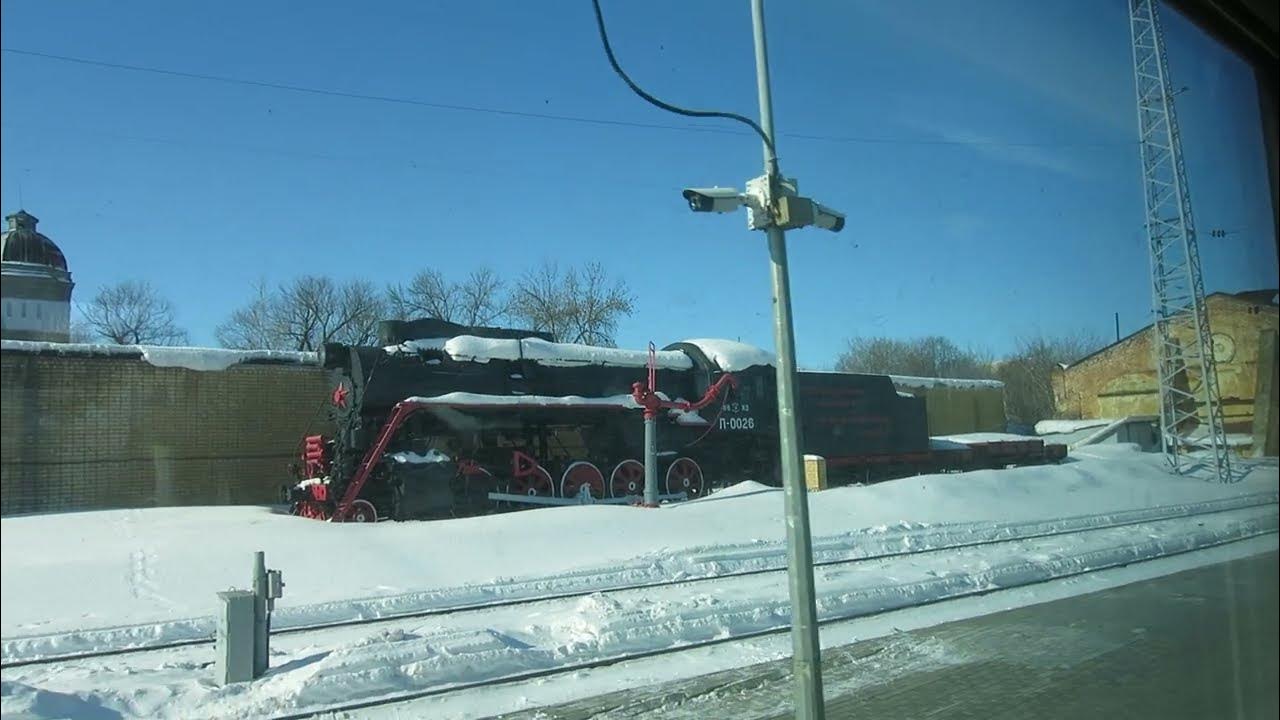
x: 133, y: 313
x: 428, y: 294
x: 1028, y: 374
x: 304, y: 315
x: 477, y: 301
x: 362, y: 307
x: 931, y: 356
x: 481, y: 300
x: 251, y: 326
x: 80, y: 332
x: 581, y: 306
x: 539, y: 301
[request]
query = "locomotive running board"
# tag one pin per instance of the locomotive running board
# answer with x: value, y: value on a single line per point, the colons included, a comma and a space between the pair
x: 579, y: 500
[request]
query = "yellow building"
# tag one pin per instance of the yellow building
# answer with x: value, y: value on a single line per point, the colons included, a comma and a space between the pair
x: 1120, y: 379
x: 956, y: 406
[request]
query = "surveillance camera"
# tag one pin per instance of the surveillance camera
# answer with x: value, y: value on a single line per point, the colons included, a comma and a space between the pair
x: 713, y: 199
x: 794, y: 211
x: 827, y: 219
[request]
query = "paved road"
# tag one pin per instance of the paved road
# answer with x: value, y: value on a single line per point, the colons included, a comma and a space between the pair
x: 1198, y: 644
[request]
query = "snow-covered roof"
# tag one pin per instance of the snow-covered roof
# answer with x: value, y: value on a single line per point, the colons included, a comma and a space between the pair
x: 911, y: 382
x: 480, y: 349
x: 731, y: 356
x: 924, y: 383
x: 191, y: 358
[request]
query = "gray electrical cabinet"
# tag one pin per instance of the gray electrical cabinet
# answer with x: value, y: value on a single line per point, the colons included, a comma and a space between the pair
x: 235, y: 640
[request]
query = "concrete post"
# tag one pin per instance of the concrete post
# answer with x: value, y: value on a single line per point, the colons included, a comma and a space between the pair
x: 235, y: 640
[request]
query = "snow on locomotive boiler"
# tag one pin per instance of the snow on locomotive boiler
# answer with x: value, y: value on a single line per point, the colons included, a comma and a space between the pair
x: 444, y: 420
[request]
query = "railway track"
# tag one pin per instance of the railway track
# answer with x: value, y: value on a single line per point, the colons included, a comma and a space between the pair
x: 602, y: 662
x: 1003, y: 534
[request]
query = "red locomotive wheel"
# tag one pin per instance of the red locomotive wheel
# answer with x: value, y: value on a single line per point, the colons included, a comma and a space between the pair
x: 685, y: 476
x: 313, y: 509
x: 535, y: 484
x: 627, y: 479
x: 360, y: 511
x: 582, y: 473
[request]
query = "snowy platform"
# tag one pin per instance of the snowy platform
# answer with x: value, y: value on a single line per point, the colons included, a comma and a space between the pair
x: 119, y: 578
x: 1117, y: 652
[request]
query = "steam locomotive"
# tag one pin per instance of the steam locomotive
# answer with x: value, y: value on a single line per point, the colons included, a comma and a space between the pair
x: 442, y: 420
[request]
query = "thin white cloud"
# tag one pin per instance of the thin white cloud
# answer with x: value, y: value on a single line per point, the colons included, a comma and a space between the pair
x: 1020, y: 46
x: 1054, y: 159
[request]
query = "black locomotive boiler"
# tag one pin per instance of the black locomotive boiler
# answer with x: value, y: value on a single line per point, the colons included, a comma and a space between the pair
x: 442, y: 420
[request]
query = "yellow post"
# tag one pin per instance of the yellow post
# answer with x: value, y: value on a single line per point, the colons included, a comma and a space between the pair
x: 815, y: 472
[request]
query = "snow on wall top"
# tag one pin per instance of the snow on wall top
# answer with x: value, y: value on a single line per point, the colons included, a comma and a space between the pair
x: 194, y: 358
x: 731, y: 356
x: 478, y: 349
x: 191, y: 358
x: 924, y: 383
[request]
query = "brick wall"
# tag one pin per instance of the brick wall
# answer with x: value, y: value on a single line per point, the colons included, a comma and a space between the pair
x: 93, y: 432
x: 1121, y: 380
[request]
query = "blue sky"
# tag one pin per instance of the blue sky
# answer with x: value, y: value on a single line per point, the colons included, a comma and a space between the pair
x: 984, y: 153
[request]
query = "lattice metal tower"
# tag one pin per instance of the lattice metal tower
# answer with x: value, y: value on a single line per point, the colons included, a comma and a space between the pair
x: 1190, y: 407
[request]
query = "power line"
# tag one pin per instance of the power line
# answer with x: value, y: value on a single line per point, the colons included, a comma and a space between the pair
x: 219, y: 146
x: 613, y: 62
x: 849, y: 139
x: 355, y: 95
x: 403, y: 163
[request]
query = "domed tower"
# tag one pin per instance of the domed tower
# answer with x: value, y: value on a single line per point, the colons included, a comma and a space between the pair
x: 36, y: 288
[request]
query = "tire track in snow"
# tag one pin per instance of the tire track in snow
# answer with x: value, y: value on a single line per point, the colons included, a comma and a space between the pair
x: 140, y: 576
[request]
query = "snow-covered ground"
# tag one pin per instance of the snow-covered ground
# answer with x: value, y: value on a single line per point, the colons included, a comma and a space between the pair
x: 69, y: 582
x: 941, y: 442
x: 1062, y: 427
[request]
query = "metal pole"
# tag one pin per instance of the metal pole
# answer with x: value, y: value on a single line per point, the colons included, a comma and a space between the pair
x: 806, y: 651
x: 260, y: 618
x: 650, y: 460
x: 1117, y: 327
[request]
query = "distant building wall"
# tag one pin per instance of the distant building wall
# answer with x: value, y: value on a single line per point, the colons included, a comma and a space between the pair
x: 35, y: 294
x: 95, y: 432
x: 958, y: 406
x: 1121, y: 380
x: 27, y: 319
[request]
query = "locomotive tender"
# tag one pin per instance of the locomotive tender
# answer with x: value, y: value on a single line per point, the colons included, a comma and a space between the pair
x: 444, y: 420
